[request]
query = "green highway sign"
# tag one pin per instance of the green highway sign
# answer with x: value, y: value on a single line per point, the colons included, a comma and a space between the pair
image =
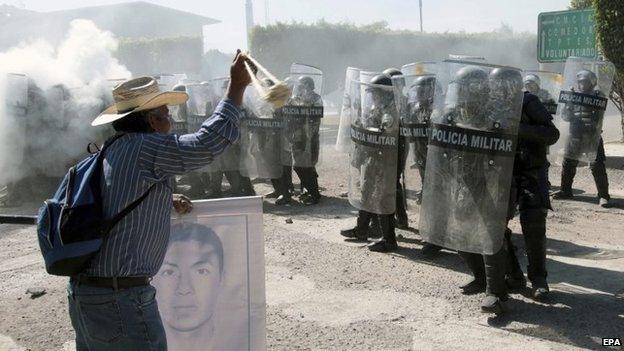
x: 562, y: 34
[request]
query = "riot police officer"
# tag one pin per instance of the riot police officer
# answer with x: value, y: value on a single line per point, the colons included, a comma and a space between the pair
x: 529, y: 192
x: 196, y: 181
x: 375, y: 185
x: 584, y: 122
x: 229, y: 164
x: 401, y: 211
x: 532, y: 84
x: 265, y: 148
x: 474, y: 86
x: 303, y: 135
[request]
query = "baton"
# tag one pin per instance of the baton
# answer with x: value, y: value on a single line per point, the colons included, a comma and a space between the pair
x: 18, y: 219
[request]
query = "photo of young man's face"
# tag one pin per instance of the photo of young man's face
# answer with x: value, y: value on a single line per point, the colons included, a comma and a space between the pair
x: 210, y: 287
x: 189, y: 282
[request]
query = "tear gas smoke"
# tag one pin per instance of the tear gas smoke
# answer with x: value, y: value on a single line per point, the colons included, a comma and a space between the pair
x: 66, y: 88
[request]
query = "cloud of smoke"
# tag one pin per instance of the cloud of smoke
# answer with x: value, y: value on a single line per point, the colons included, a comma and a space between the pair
x: 66, y: 88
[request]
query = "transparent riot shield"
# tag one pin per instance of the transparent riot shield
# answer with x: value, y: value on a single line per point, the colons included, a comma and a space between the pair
x: 13, y: 124
x: 470, y: 156
x: 582, y: 104
x: 367, y: 76
x: 374, y: 149
x: 414, y: 95
x: 343, y: 141
x: 166, y: 81
x: 230, y: 159
x: 546, y: 86
x: 178, y: 115
x: 467, y: 58
x: 16, y: 94
x: 200, y: 104
x: 302, y: 116
x: 260, y: 138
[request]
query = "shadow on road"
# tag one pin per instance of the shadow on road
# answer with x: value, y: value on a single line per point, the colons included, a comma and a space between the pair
x: 581, y: 320
x: 329, y: 207
x: 615, y: 162
x: 587, y: 299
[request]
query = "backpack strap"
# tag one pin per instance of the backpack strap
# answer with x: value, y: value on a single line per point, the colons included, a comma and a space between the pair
x: 99, y: 172
x: 113, y: 221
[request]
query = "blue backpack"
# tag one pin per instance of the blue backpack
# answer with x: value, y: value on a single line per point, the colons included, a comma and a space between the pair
x: 71, y: 225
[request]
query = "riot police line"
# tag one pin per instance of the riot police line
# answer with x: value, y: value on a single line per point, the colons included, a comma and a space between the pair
x: 462, y: 141
x: 482, y: 137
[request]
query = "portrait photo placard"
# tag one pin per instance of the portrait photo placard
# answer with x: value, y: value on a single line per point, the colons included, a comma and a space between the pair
x: 210, y: 289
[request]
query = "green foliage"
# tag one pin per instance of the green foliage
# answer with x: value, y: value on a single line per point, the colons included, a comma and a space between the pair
x: 610, y: 31
x: 334, y: 47
x: 580, y: 4
x: 163, y: 55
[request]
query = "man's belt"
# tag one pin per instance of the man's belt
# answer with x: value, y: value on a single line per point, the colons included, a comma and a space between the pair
x: 115, y: 283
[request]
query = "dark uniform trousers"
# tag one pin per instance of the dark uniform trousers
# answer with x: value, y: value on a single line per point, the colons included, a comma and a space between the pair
x: 598, y: 169
x: 529, y: 194
x: 401, y: 210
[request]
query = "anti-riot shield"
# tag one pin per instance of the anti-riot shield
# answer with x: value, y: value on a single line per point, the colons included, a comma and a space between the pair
x: 13, y: 128
x: 16, y: 94
x: 414, y: 94
x: 200, y: 104
x: 582, y: 104
x: 302, y: 116
x: 470, y: 156
x: 546, y: 86
x: 467, y: 58
x: 261, y: 137
x: 166, y: 81
x: 343, y: 142
x: 374, y: 149
x: 230, y: 159
x: 179, y: 119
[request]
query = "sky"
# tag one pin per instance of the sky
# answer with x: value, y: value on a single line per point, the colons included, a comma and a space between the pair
x: 438, y: 15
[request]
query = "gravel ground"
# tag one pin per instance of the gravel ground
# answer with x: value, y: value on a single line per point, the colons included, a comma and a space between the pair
x: 327, y: 294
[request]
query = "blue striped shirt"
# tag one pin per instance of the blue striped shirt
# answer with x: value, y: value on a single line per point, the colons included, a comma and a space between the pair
x: 132, y: 164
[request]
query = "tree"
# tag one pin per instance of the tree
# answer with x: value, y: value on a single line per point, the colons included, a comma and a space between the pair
x: 609, y: 16
x: 580, y: 4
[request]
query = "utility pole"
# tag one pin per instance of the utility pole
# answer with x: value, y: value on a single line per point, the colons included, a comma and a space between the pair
x: 249, y: 19
x: 420, y: 5
x: 266, y: 12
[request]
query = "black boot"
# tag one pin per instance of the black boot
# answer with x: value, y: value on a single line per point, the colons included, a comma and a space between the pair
x: 496, y: 289
x: 360, y: 232
x: 388, y: 243
x: 568, y: 171
x: 235, y: 180
x: 599, y: 171
x: 477, y: 268
x: 311, y: 184
x: 247, y: 188
x: 215, y: 184
x: 429, y: 250
x: 276, y: 182
x: 374, y: 230
x: 533, y: 223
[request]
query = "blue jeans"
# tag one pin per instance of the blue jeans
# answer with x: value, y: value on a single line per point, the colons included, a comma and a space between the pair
x: 105, y: 319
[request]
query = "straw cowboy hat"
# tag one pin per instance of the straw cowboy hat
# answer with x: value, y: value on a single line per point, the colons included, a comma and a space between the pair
x: 136, y: 95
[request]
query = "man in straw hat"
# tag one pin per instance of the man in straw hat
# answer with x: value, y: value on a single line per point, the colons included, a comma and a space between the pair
x: 112, y: 304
